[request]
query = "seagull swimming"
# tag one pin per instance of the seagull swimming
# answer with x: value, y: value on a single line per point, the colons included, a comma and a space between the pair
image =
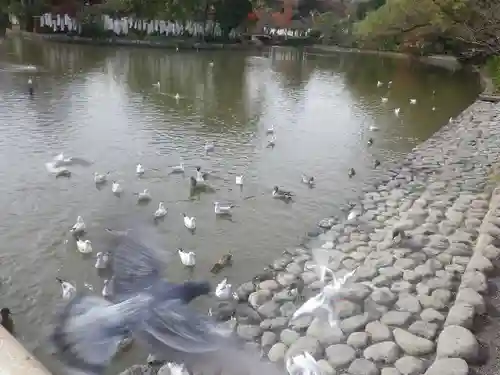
x: 107, y: 290
x: 239, y: 180
x: 413, y: 101
x: 99, y: 178
x: 384, y: 100
x: 161, y: 211
x: 143, y: 197
x: 116, y: 188
x: 188, y: 259
x: 139, y: 170
x: 209, y: 147
x: 189, y: 222
x: 223, y: 290
x: 84, y: 247
x: 79, y: 226
x: 223, y: 208
x: 396, y: 111
x: 102, y: 260
x: 68, y: 289
x: 373, y: 128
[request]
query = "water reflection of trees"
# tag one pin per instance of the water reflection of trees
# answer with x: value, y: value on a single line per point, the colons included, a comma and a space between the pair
x: 211, y: 86
x: 290, y: 64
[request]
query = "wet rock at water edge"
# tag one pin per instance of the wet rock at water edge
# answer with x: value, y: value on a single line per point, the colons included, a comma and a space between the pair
x: 327, y: 223
x: 244, y: 291
x: 277, y: 352
x: 305, y: 344
x: 289, y: 336
x: 268, y: 339
x: 248, y: 332
x: 457, y: 342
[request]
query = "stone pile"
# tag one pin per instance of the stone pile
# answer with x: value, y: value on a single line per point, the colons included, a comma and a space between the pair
x: 409, y: 308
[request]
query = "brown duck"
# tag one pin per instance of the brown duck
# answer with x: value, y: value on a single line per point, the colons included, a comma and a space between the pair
x: 224, y: 261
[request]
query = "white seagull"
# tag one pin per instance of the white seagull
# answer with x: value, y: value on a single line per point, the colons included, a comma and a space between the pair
x: 161, y: 211
x: 187, y: 258
x: 68, y: 289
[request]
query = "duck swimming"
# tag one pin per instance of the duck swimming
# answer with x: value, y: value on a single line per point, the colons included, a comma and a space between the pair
x: 84, y: 247
x: 370, y: 141
x: 161, y: 211
x: 270, y: 130
x: 178, y: 168
x: 68, y: 289
x: 308, y: 180
x: 351, y: 173
x: 188, y: 259
x: 413, y: 101
x: 189, y: 222
x: 102, y: 260
x: 201, y: 177
x: 271, y: 142
x: 224, y: 261
x: 281, y: 194
x: 223, y: 290
x: 373, y: 128
x: 239, y: 180
x: 396, y: 111
x: 379, y: 84
x: 376, y: 163
x: 385, y: 100
x: 209, y: 147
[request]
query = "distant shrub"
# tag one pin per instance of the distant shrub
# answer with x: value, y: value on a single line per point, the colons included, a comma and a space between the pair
x: 493, y: 66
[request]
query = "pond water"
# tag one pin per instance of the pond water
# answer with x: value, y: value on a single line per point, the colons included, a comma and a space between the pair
x: 100, y: 104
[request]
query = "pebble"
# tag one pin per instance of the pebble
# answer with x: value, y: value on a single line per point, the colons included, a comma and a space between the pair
x: 396, y: 318
x: 346, y: 309
x: 390, y: 371
x: 383, y: 296
x: 424, y: 329
x: 259, y: 297
x: 269, y: 285
x: 326, y: 334
x: 268, y: 338
x: 361, y: 366
x: 409, y: 303
x: 358, y: 340
x: 248, y: 332
x: 457, y: 342
x: 378, y: 331
x: 326, y: 368
x: 386, y: 352
x: 448, y: 366
x: 480, y: 263
x: 412, y: 344
x: 277, y: 352
x: 289, y: 336
x: 471, y: 297
x: 409, y: 365
x: 340, y: 355
x: 305, y: 344
x: 354, y: 323
x: 460, y: 314
x: 475, y: 280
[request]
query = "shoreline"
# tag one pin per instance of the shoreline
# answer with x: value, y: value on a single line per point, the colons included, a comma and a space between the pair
x: 411, y: 305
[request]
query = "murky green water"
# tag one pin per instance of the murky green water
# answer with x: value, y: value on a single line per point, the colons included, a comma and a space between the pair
x: 100, y: 103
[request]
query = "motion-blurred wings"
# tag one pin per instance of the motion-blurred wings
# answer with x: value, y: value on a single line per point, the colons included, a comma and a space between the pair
x: 177, y: 326
x: 81, y: 337
x: 135, y: 268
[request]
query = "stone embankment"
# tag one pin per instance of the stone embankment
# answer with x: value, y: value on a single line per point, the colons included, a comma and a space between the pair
x: 410, y: 307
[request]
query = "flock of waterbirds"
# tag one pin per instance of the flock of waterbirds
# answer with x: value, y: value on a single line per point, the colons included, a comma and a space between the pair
x: 300, y: 364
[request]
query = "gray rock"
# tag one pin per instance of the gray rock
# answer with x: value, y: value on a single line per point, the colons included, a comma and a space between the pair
x: 246, y: 314
x: 386, y: 352
x: 409, y: 303
x: 378, y: 331
x: 277, y: 323
x: 405, y: 264
x: 365, y: 273
x: 358, y: 340
x: 491, y: 252
x: 424, y: 329
x: 396, y: 318
x: 412, y: 276
x: 439, y: 299
x: 457, y: 342
x: 391, y: 272
x: 277, y: 352
x: 461, y: 260
x: 294, y: 269
x: 346, y: 309
x: 383, y: 296
x: 289, y: 336
x: 431, y: 315
x: 354, y: 323
x: 324, y: 333
x: 480, y: 263
x: 301, y: 323
x: 475, y: 280
x: 459, y: 249
x: 155, y: 360
x: 268, y: 339
x: 355, y: 292
x: 361, y: 366
x: 390, y: 371
x: 268, y: 309
x: 424, y: 270
x: 409, y: 365
x: 141, y: 370
x: 460, y: 314
x: 439, y: 283
x: 326, y: 368
x: 405, y: 225
x: 259, y: 297
x: 444, y: 258
x: 244, y: 290
x: 471, y: 297
x: 448, y: 366
x: 269, y: 285
x: 285, y: 279
x: 288, y: 309
x: 248, y: 332
x: 381, y: 281
x: 402, y: 286
x: 305, y: 344
x: 412, y: 344
x: 340, y: 355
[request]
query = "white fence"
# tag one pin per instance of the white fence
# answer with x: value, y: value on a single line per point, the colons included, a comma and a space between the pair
x: 122, y: 26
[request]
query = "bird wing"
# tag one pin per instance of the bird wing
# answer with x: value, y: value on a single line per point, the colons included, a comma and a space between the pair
x: 81, y: 336
x: 135, y: 267
x: 175, y: 325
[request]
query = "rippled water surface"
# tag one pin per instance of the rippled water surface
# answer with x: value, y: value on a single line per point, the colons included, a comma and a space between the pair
x: 100, y: 104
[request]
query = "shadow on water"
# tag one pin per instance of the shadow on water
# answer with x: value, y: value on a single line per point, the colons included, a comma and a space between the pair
x: 100, y: 104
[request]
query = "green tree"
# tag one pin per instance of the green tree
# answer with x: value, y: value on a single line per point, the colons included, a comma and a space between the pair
x: 231, y: 13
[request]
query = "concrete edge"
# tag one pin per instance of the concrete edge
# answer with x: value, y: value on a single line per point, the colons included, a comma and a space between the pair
x: 469, y: 301
x: 15, y: 359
